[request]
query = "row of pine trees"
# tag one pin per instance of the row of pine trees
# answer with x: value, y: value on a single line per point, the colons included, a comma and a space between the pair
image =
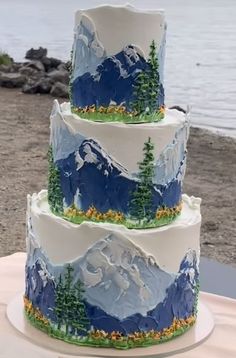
x: 147, y: 85
x: 69, y: 308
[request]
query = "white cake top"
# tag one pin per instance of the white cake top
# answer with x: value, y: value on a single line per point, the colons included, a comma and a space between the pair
x: 124, y: 142
x: 128, y: 25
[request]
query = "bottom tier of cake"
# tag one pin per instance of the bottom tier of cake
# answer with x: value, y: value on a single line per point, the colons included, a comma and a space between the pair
x: 105, y: 285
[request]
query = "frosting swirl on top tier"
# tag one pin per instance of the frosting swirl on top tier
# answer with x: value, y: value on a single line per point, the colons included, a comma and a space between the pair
x: 99, y: 163
x: 111, y: 48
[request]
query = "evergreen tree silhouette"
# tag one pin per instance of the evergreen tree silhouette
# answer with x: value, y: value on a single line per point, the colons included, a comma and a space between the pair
x: 69, y: 305
x: 141, y: 200
x: 140, y: 93
x: 154, y: 78
x: 146, y: 87
x: 59, y: 303
x: 55, y: 196
x: 81, y: 323
x: 69, y: 299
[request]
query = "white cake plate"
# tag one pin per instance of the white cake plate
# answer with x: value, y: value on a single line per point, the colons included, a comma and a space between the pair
x: 196, y: 335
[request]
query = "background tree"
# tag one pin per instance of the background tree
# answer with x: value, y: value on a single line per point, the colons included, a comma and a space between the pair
x: 59, y: 303
x: 146, y: 86
x: 154, y: 78
x: 55, y: 196
x: 81, y: 324
x: 140, y: 93
x: 69, y: 299
x: 70, y: 309
x: 141, y: 200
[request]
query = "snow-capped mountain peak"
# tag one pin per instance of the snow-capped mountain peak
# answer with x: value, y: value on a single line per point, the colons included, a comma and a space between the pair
x: 115, y: 263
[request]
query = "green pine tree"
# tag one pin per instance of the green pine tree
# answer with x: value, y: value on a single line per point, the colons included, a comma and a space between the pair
x: 81, y: 323
x: 59, y: 303
x: 141, y: 200
x: 55, y: 196
x: 69, y: 305
x: 69, y: 298
x: 146, y: 87
x: 154, y: 78
x: 140, y: 93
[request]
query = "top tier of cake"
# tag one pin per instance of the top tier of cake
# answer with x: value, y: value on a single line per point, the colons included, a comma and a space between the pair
x: 117, y: 154
x: 118, y: 59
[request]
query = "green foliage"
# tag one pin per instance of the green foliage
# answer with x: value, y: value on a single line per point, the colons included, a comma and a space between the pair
x: 140, y: 93
x: 121, y: 117
x: 141, y: 202
x: 153, y: 76
x: 55, y: 196
x: 106, y: 342
x: 130, y: 224
x: 5, y: 59
x: 146, y: 87
x: 69, y: 306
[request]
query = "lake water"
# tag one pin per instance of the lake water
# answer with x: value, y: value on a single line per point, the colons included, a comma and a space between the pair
x: 200, y: 58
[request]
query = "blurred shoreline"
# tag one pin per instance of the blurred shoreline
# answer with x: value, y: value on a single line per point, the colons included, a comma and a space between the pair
x: 24, y: 140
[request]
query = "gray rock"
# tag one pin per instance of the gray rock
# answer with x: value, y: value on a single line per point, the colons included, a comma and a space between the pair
x: 5, y: 68
x: 36, y: 54
x: 50, y: 63
x: 42, y: 86
x: 29, y: 88
x: 12, y: 80
x: 27, y: 71
x: 16, y: 66
x: 60, y: 90
x: 37, y: 65
x: 59, y: 76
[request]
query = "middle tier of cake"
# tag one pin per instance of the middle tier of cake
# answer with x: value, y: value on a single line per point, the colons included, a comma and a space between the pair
x: 128, y: 174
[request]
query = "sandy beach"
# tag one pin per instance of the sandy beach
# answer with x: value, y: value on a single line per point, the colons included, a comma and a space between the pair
x: 24, y: 137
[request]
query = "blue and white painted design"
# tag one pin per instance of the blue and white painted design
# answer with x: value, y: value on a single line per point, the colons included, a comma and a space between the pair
x: 172, y: 161
x: 95, y: 178
x: 88, y: 50
x: 101, y: 80
x: 113, y: 272
x: 90, y: 176
x: 62, y: 140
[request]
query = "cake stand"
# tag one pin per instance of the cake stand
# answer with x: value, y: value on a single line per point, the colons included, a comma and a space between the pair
x: 196, y: 335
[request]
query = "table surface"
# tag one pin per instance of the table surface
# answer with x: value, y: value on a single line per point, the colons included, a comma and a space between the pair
x: 221, y: 344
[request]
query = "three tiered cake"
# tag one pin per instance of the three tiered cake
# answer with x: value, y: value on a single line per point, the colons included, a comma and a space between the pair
x: 113, y: 245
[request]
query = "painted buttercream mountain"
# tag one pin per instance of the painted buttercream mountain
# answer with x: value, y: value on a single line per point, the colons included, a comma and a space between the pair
x: 102, y: 80
x: 90, y: 176
x: 114, y: 271
x: 112, y: 82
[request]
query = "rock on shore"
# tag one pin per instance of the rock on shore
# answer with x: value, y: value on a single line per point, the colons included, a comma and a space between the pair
x: 39, y: 74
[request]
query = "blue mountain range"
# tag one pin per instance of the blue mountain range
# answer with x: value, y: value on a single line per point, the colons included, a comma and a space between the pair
x: 113, y: 81
x: 179, y: 290
x: 89, y: 176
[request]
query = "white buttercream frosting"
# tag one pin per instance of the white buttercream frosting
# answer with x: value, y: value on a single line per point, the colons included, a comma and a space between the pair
x: 64, y: 241
x: 127, y: 26
x: 124, y: 142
